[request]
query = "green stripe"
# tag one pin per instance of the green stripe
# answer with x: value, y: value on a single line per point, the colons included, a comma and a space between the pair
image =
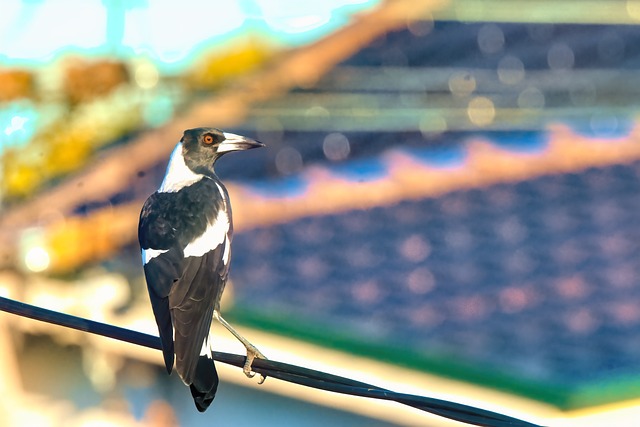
x: 542, y: 11
x: 562, y: 397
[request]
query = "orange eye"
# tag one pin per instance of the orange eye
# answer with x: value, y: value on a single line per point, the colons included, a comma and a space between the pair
x: 208, y: 139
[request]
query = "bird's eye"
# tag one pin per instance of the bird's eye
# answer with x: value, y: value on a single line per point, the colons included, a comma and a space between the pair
x: 208, y: 139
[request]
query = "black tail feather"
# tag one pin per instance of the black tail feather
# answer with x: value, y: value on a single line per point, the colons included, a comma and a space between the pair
x: 205, y: 383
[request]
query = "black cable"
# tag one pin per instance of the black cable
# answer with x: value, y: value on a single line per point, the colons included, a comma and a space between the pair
x: 283, y: 371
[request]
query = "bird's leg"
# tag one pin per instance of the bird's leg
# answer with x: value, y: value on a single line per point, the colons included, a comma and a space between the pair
x: 252, y: 351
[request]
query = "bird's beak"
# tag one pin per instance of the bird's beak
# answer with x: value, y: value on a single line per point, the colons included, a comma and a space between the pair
x: 233, y: 142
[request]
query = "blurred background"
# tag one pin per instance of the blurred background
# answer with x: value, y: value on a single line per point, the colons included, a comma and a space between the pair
x: 447, y: 204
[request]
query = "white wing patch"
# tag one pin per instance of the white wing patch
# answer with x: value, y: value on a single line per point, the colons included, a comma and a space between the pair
x: 227, y: 249
x: 149, y: 254
x: 213, y: 236
x: 227, y: 241
x: 178, y: 174
x: 206, y: 348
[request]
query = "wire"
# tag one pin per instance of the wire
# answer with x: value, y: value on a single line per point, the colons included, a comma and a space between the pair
x: 282, y: 371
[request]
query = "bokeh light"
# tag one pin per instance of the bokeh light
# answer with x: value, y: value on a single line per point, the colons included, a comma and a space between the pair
x: 490, y: 39
x: 37, y: 259
x: 511, y: 70
x: 336, y: 146
x: 532, y: 98
x: 462, y: 83
x: 288, y: 161
x: 481, y: 111
x: 560, y: 57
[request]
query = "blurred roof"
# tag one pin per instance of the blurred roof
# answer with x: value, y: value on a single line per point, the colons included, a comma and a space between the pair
x: 528, y: 284
x: 454, y: 196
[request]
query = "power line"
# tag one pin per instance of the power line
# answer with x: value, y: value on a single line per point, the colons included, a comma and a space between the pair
x: 282, y: 371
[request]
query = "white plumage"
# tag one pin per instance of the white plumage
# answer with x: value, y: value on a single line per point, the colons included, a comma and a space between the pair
x: 213, y: 236
x: 149, y: 254
x: 178, y: 173
x: 180, y: 231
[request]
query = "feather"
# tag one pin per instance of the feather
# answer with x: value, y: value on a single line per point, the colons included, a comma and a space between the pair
x: 185, y: 232
x: 185, y: 259
x: 192, y: 301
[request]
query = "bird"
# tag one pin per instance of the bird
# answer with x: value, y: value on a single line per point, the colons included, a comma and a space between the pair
x: 185, y: 231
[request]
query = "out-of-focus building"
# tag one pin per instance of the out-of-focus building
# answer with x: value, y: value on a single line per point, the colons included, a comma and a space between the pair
x: 446, y: 205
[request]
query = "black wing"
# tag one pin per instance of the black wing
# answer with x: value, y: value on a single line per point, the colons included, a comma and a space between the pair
x: 156, y: 233
x: 192, y: 301
x: 184, y: 291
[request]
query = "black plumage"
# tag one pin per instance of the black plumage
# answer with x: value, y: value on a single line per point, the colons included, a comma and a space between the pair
x: 185, y: 233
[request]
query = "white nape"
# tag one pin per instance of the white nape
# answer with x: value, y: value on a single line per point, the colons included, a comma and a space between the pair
x: 213, y: 236
x: 178, y: 174
x: 149, y: 254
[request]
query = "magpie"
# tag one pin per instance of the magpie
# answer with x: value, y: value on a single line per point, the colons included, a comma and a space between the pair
x: 185, y: 233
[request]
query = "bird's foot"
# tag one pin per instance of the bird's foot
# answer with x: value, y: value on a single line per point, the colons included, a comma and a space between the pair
x: 252, y: 354
x: 252, y: 351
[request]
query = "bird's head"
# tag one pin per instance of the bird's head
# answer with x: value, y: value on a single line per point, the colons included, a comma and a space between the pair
x: 203, y: 146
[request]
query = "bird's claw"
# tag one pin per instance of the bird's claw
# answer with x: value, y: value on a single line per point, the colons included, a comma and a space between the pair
x: 252, y: 354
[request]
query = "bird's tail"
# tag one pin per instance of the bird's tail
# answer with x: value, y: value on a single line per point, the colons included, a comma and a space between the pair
x: 205, y: 383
